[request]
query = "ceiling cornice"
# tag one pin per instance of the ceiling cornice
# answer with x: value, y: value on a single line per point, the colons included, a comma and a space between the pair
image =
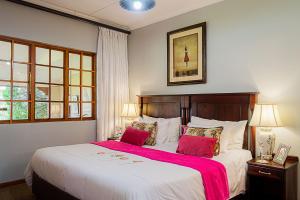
x: 64, y: 14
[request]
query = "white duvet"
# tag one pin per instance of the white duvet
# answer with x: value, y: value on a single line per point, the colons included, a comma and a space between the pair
x: 91, y: 172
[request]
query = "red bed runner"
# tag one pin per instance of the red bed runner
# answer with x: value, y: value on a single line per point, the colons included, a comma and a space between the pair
x: 213, y: 173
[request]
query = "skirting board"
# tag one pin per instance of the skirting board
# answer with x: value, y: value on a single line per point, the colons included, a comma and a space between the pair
x: 10, y: 183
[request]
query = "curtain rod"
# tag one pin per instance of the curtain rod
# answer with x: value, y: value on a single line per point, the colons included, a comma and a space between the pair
x: 50, y: 10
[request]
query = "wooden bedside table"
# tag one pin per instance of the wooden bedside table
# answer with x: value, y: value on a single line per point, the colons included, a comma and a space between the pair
x: 115, y: 139
x: 273, y: 181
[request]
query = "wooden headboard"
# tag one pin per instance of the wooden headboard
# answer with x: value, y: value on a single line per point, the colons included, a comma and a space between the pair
x: 225, y: 107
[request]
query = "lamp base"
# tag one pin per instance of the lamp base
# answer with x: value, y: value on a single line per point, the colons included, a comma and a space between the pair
x: 266, y: 157
x: 128, y: 122
x: 262, y: 161
x: 265, y: 143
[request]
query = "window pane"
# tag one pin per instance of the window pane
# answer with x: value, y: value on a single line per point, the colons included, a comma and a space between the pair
x: 20, y: 91
x: 57, y: 58
x: 4, y: 91
x: 4, y: 70
x: 42, y: 92
x: 21, y: 53
x: 42, y: 74
x: 87, y: 78
x: 74, y: 94
x: 42, y: 56
x: 4, y: 110
x: 74, y: 61
x: 57, y: 93
x: 41, y: 110
x: 87, y: 62
x: 5, y: 50
x: 20, y: 110
x: 74, y: 77
x: 57, y: 76
x: 20, y: 72
x: 86, y: 94
x: 86, y: 110
x: 57, y: 110
x: 74, y: 110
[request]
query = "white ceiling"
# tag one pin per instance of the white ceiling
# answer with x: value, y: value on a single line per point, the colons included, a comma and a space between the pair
x: 109, y: 11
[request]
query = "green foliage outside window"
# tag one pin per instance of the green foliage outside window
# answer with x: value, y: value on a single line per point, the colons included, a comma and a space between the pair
x: 20, y: 109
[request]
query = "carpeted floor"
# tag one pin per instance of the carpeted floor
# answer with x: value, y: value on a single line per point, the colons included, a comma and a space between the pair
x: 16, y: 192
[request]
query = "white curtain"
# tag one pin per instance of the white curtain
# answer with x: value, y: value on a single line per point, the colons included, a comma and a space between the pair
x: 112, y: 81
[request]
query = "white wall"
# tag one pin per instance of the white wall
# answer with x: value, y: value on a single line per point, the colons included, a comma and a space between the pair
x: 28, y: 23
x: 19, y: 141
x: 253, y: 45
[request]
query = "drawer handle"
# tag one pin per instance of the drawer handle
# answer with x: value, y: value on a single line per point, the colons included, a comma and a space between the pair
x: 265, y: 173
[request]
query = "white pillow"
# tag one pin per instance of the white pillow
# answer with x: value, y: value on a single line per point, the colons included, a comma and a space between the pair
x: 162, y: 128
x: 168, y: 129
x: 232, y: 136
x: 174, y: 129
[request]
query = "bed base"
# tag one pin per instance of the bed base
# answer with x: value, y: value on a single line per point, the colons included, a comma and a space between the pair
x: 46, y: 191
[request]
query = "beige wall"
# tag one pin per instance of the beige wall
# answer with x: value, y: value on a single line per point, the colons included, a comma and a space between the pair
x: 253, y: 45
x: 19, y: 141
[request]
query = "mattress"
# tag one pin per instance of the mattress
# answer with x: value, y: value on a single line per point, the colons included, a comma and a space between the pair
x: 80, y: 171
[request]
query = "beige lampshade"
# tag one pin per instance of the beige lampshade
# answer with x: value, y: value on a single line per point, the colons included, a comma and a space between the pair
x: 265, y: 116
x: 130, y: 110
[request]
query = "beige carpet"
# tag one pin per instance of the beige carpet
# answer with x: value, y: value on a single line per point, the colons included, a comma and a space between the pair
x: 16, y: 192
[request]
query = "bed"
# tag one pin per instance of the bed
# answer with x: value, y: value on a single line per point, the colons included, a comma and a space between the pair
x: 79, y: 172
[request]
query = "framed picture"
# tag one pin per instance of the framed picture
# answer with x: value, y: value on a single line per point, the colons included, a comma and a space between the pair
x: 281, y: 154
x: 187, y: 55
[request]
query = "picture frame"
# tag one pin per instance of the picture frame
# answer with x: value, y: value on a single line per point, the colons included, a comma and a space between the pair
x: 187, y: 55
x: 281, y: 154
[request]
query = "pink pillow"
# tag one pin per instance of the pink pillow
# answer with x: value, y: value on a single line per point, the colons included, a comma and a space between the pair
x: 134, y: 136
x: 196, y: 146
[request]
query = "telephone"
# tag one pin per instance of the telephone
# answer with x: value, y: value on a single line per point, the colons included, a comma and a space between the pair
x: 118, y: 133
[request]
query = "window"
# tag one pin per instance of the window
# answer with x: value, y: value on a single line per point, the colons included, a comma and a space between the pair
x: 40, y: 82
x: 81, y: 85
x: 14, y: 81
x: 49, y: 83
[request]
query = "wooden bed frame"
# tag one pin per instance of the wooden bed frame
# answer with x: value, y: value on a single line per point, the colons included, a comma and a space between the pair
x: 225, y: 107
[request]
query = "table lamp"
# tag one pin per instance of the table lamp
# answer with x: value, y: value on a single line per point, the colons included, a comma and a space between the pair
x: 266, y: 117
x: 130, y: 112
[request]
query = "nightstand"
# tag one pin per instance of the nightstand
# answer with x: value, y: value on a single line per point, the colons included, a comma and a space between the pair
x: 115, y: 139
x: 273, y: 181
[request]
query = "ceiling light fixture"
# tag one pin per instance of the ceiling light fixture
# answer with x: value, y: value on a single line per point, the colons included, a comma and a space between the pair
x: 137, y: 5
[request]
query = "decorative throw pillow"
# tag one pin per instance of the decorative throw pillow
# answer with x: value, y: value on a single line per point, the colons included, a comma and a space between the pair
x: 196, y: 146
x: 149, y: 127
x: 135, y: 136
x: 207, y: 132
x: 232, y: 135
x: 162, y: 128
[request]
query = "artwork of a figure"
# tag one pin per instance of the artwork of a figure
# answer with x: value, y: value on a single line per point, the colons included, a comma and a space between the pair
x: 186, y: 57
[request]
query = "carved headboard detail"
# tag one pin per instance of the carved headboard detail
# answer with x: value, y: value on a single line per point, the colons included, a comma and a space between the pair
x: 225, y: 107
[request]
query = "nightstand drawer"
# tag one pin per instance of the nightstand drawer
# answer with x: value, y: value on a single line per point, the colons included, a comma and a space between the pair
x: 265, y: 172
